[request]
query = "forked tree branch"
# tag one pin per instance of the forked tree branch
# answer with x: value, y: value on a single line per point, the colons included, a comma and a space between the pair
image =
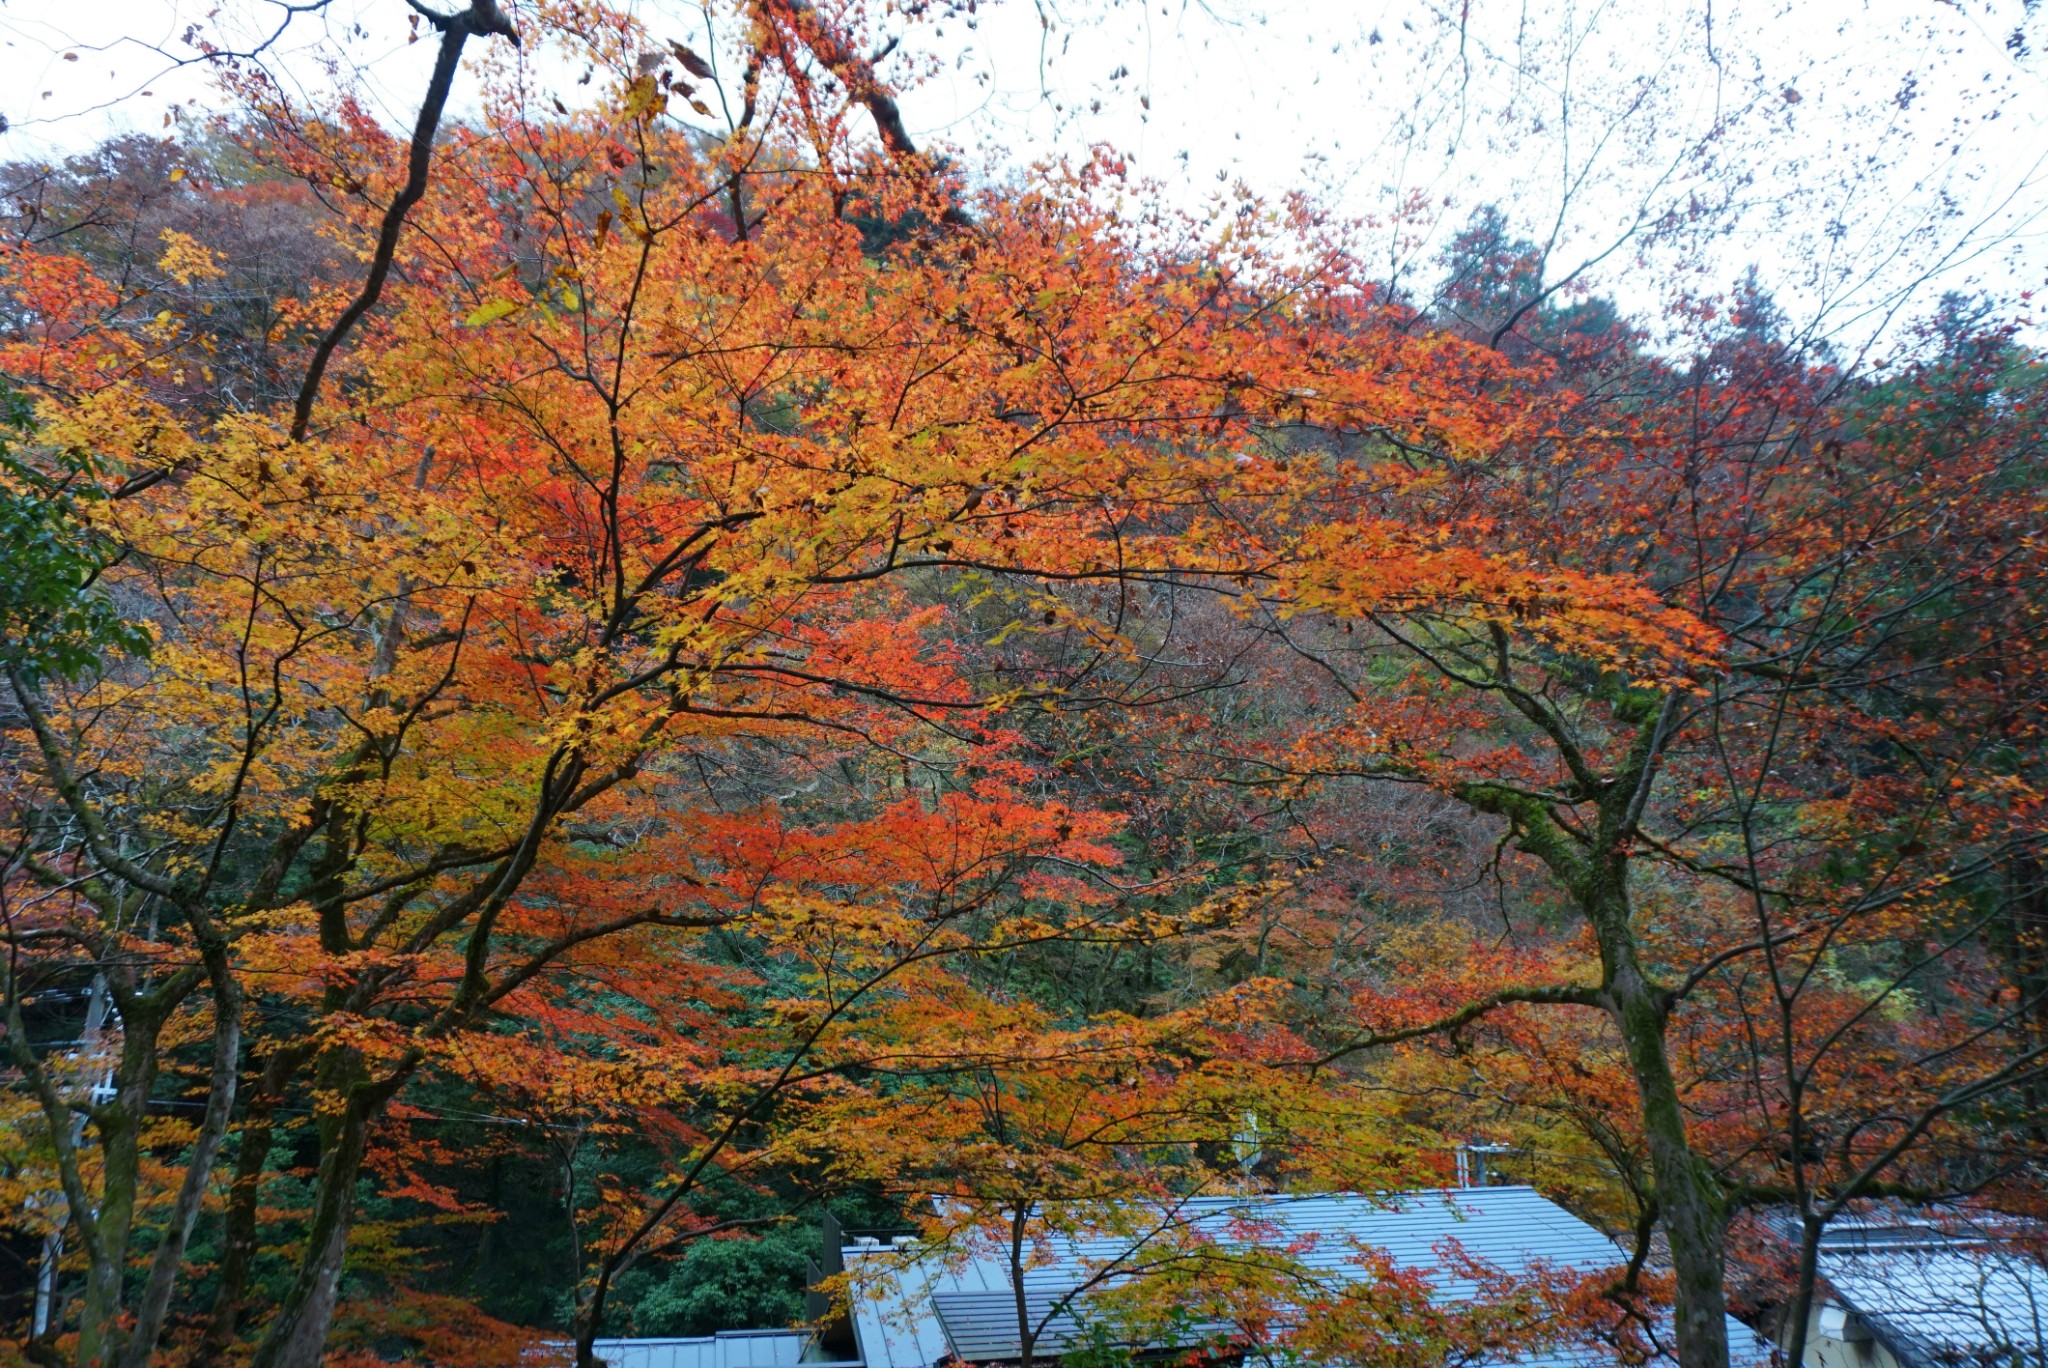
x: 483, y: 17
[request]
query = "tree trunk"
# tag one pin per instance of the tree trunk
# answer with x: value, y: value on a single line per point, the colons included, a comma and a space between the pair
x: 1595, y: 870
x: 238, y: 1257
x: 1695, y: 1221
x: 99, y: 1309
x: 1800, y: 1309
x: 297, y: 1337
x: 118, y: 1124
x: 589, y: 1320
x: 1020, y: 1220
x: 213, y: 1127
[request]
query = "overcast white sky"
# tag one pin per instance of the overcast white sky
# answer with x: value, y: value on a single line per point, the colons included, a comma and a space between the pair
x: 1848, y: 129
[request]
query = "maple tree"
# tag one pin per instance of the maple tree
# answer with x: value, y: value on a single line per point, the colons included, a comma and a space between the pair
x: 597, y: 481
x: 704, y: 634
x: 1821, y: 791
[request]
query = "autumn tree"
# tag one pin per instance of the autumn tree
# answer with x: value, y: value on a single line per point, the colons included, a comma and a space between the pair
x: 688, y: 619
x: 1815, y: 776
x: 628, y: 456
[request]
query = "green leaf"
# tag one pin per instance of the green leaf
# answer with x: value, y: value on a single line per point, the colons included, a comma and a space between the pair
x: 55, y: 619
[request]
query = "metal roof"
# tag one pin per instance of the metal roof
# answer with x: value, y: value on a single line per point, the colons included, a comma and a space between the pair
x: 1938, y: 1285
x: 1892, y: 1225
x: 726, y: 1349
x: 1963, y: 1304
x: 919, y: 1310
x: 982, y: 1326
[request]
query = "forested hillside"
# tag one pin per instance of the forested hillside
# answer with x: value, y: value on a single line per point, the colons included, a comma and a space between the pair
x: 581, y: 692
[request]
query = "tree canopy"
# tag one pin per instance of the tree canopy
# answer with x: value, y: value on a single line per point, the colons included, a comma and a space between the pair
x: 579, y: 693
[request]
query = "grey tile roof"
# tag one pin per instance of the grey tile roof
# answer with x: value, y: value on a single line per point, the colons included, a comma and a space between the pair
x: 921, y: 1310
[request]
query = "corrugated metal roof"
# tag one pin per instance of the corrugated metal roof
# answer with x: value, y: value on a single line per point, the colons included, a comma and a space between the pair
x: 1938, y: 1285
x: 1959, y: 1305
x: 981, y: 1327
x: 726, y: 1349
x: 913, y: 1303
x: 1892, y: 1225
